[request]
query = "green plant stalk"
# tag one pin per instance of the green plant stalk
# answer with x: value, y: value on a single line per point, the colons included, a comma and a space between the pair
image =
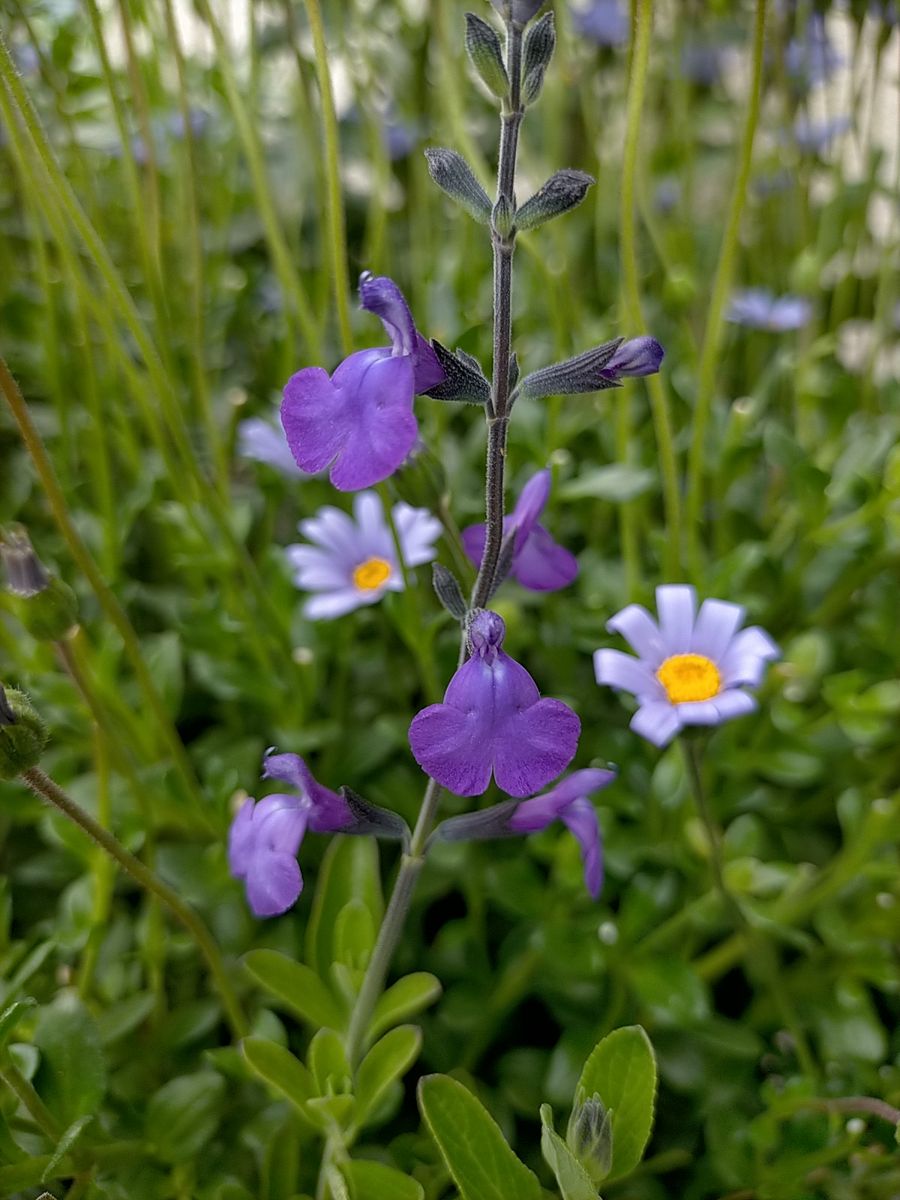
x: 278, y: 248
x: 715, y: 321
x: 337, y: 226
x: 44, y: 787
x: 31, y: 1101
x: 103, y: 869
x: 631, y: 293
x: 105, y: 596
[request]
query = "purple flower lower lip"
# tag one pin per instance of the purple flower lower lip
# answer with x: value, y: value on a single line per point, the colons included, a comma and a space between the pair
x: 360, y: 420
x: 539, y: 563
x: 493, y: 720
x: 689, y: 670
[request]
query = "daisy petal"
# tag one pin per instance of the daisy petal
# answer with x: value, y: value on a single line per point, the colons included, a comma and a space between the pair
x: 675, y: 604
x: 717, y: 623
x: 639, y: 629
x: 626, y: 673
x: 657, y: 721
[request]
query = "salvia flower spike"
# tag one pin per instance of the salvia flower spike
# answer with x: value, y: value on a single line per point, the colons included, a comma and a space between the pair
x: 691, y: 667
x: 493, y: 721
x: 360, y: 420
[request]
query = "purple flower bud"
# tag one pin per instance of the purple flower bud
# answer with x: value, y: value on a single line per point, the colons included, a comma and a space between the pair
x: 519, y: 11
x: 637, y: 356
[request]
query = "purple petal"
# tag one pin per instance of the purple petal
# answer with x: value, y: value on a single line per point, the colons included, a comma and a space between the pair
x: 379, y: 426
x: 734, y: 703
x: 273, y: 884
x: 450, y: 747
x: 380, y: 295
x: 745, y: 660
x: 675, y: 604
x: 532, y: 815
x: 638, y: 628
x: 542, y: 565
x: 485, y: 634
x: 638, y: 356
x: 657, y: 721
x: 533, y: 746
x: 581, y: 819
x: 312, y: 414
x: 531, y: 503
x: 618, y: 670
x: 473, y: 540
x: 717, y: 623
x: 240, y: 839
x: 328, y: 812
x: 428, y: 370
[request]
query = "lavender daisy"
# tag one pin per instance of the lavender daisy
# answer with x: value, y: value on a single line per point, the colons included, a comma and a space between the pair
x: 689, y: 671
x: 353, y: 560
x: 360, y: 420
x: 266, y: 835
x: 539, y: 563
x: 760, y: 309
x: 568, y: 802
x: 493, y: 720
x: 264, y: 441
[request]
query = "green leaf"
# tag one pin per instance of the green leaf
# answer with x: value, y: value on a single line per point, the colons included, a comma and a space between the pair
x: 375, y: 1181
x: 475, y: 1151
x: 386, y: 1061
x: 296, y: 986
x: 328, y: 1063
x: 354, y: 935
x: 71, y: 1078
x: 404, y: 999
x: 574, y: 1181
x: 622, y: 1070
x: 280, y: 1069
x: 349, y: 871
x: 615, y: 482
x: 184, y: 1114
x: 66, y: 1142
x: 11, y: 1016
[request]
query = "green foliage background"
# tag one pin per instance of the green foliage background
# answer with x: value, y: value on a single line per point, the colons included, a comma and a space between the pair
x: 155, y: 289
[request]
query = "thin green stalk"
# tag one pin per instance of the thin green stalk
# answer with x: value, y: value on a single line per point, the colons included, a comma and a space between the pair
x: 31, y: 1101
x: 337, y: 231
x: 105, y: 596
x: 721, y: 287
x: 103, y: 871
x: 631, y: 293
x: 44, y: 787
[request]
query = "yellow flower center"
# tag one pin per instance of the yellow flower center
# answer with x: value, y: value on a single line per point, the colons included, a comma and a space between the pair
x: 371, y: 574
x: 689, y: 677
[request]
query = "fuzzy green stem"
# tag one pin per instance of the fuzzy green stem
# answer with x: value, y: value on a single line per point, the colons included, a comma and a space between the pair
x: 722, y: 281
x: 42, y: 785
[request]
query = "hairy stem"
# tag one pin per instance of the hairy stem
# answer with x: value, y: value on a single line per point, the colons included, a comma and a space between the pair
x: 42, y: 785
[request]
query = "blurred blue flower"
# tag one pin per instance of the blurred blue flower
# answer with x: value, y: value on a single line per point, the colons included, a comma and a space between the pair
x: 400, y: 137
x: 702, y: 62
x: 814, y: 136
x: 810, y: 56
x: 493, y: 721
x: 690, y: 669
x: 353, y: 560
x: 604, y: 22
x: 760, y: 309
x: 264, y: 441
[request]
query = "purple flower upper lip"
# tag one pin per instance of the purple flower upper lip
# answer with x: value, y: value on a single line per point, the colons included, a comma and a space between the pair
x: 265, y: 835
x: 539, y: 563
x: 689, y: 670
x: 493, y: 720
x: 360, y: 421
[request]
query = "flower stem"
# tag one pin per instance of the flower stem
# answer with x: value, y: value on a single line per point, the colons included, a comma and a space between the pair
x: 712, y: 339
x: 42, y: 785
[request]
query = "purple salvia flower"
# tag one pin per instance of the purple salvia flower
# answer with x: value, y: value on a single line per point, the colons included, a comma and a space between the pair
x: 635, y: 357
x: 688, y: 671
x: 760, y: 309
x: 360, y: 420
x: 604, y: 22
x: 493, y: 720
x: 539, y: 563
x: 569, y: 802
x: 353, y: 560
x: 265, y: 835
x: 264, y: 441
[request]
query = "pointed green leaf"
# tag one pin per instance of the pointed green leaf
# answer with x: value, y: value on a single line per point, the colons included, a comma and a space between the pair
x: 296, y: 986
x: 349, y: 871
x: 622, y: 1071
x: 66, y: 1142
x: 475, y: 1151
x: 354, y: 935
x: 574, y: 1181
x: 184, y: 1114
x: 386, y: 1061
x: 280, y: 1069
x: 375, y: 1181
x: 404, y: 999
x: 71, y: 1078
x: 11, y: 1016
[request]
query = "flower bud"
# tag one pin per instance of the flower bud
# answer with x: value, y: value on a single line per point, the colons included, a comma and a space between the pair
x: 519, y: 12
x: 486, y: 55
x: 23, y: 735
x: 563, y: 191
x: 540, y: 43
x: 455, y: 177
x: 464, y: 380
x: 43, y: 603
x: 590, y: 1137
x: 448, y: 591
